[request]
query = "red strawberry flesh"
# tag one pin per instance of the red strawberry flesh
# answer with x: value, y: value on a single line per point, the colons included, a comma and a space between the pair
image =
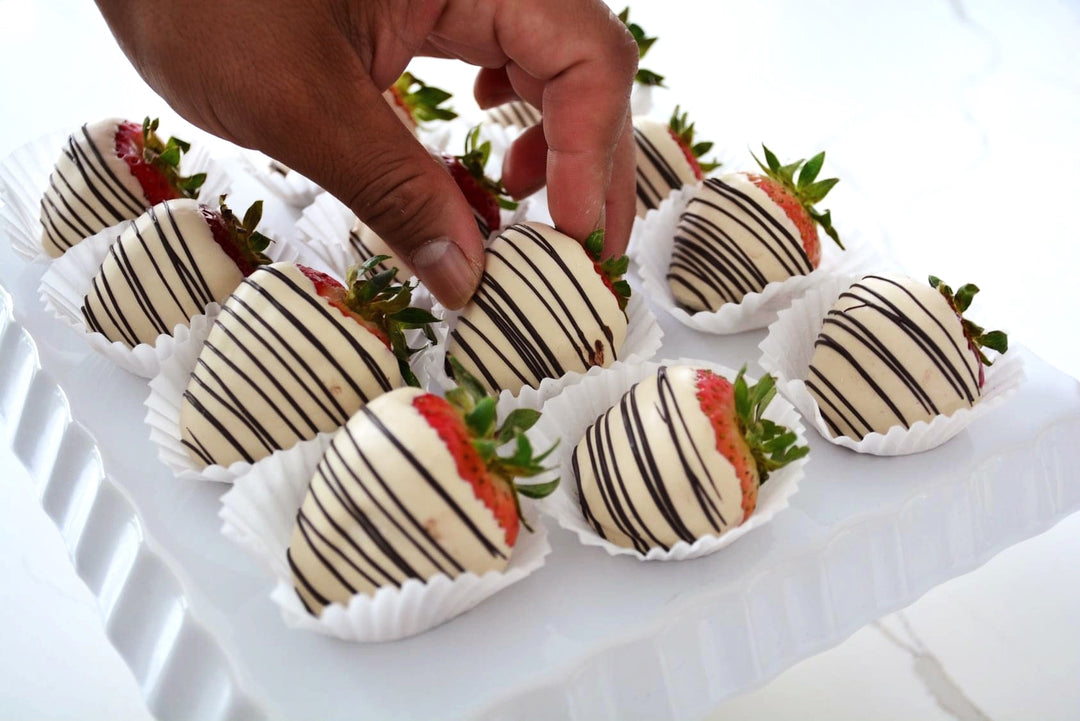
x: 334, y: 292
x: 795, y: 211
x: 491, y: 491
x: 129, y: 147
x: 716, y: 396
x: 689, y: 153
x: 481, y: 200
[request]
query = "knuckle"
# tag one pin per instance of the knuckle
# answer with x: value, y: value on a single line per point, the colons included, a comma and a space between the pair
x: 396, y: 201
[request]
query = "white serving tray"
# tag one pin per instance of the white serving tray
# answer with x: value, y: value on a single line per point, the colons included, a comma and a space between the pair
x: 589, y: 636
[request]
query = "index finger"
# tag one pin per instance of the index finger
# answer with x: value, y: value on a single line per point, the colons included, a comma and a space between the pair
x: 586, y: 60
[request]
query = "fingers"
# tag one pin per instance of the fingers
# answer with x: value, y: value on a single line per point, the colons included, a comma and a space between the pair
x: 492, y: 87
x: 354, y: 146
x: 621, y: 206
x: 586, y: 61
x: 524, y: 168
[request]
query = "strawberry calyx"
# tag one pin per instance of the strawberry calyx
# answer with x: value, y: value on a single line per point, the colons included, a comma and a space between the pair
x: 772, y: 445
x: 977, y: 337
x: 644, y: 42
x: 807, y: 190
x: 473, y: 161
x: 142, y: 148
x: 611, y: 270
x: 238, y: 237
x: 683, y: 132
x: 383, y: 306
x: 419, y: 100
x: 477, y: 409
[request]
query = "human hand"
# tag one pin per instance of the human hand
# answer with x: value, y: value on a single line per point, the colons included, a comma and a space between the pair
x: 302, y: 81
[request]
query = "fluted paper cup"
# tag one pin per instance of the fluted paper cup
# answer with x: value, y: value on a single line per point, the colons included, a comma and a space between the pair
x: 259, y: 513
x: 569, y: 415
x: 651, y: 245
x: 24, y: 176
x: 789, y: 346
x: 293, y: 188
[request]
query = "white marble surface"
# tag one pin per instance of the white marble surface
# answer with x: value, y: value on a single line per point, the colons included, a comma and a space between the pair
x: 954, y: 128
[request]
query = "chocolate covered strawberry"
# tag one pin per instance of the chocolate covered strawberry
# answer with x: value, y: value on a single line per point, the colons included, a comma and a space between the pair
x: 295, y: 353
x: 668, y: 157
x: 415, y: 102
x: 486, y: 196
x: 893, y: 351
x: 545, y: 307
x: 110, y: 171
x: 742, y: 231
x: 412, y: 487
x: 681, y: 456
x: 168, y: 265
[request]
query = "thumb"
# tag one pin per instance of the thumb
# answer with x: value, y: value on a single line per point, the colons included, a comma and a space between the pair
x: 371, y: 162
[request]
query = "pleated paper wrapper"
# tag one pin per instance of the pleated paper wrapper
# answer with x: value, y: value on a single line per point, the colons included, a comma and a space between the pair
x: 789, y: 346
x: 259, y: 513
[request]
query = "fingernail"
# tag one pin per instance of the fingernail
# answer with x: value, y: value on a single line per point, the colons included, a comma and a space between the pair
x: 443, y: 269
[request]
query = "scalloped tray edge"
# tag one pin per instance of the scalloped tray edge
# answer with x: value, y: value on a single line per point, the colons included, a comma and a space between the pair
x: 181, y: 669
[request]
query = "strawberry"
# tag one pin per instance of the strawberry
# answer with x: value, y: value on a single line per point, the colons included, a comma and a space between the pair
x: 418, y: 102
x: 294, y: 353
x: 465, y: 421
x: 372, y: 299
x: 486, y: 196
x: 894, y: 351
x: 753, y: 445
x: 412, y: 487
x: 168, y: 265
x: 611, y: 270
x: 155, y: 163
x: 110, y: 171
x: 683, y: 132
x: 545, y: 307
x: 681, y: 455
x: 797, y: 198
x: 238, y: 238
x: 977, y: 337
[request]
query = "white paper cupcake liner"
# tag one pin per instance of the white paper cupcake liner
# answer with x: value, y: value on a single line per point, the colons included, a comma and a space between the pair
x: 569, y: 415
x: 69, y: 279
x: 292, y: 187
x: 25, y: 173
x: 643, y: 339
x: 323, y: 229
x: 651, y: 245
x: 166, y: 394
x: 259, y: 513
x: 789, y: 346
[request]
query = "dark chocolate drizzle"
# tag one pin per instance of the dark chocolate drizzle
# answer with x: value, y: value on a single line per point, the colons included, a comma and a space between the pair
x: 656, y: 177
x: 249, y: 352
x: 615, y: 479
x: 708, y: 261
x: 863, y: 327
x: 344, y: 496
x: 564, y: 337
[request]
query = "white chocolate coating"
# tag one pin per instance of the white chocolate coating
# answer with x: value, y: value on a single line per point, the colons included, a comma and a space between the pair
x: 732, y: 240
x: 541, y: 311
x: 891, y: 352
x: 516, y: 114
x: 662, y: 166
x: 163, y: 270
x: 648, y: 470
x: 365, y: 243
x: 90, y: 189
x: 386, y: 505
x: 280, y: 365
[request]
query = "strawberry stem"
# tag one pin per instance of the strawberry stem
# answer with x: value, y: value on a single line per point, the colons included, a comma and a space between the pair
x: 165, y: 156
x: 477, y: 408
x: 772, y: 445
x: 375, y: 297
x: 644, y: 42
x: 978, y: 338
x: 806, y: 188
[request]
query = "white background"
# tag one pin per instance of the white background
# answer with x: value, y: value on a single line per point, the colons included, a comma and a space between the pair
x: 954, y: 129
